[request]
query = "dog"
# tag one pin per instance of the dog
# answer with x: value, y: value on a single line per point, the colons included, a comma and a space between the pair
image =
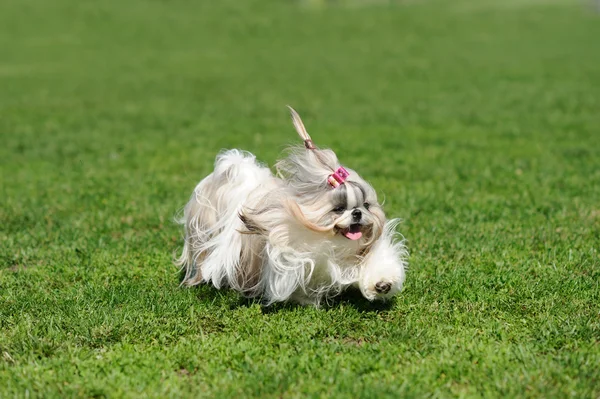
x: 302, y: 235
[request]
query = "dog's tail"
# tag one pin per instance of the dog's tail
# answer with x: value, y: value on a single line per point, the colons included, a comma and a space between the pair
x: 235, y: 166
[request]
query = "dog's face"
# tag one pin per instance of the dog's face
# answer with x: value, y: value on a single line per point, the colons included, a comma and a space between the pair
x: 355, y: 211
x: 349, y: 212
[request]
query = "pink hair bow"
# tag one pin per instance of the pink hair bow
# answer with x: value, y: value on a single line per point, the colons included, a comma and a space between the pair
x: 338, y: 177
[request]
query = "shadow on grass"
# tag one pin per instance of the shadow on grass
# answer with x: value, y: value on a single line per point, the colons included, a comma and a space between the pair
x: 233, y: 300
x: 349, y: 298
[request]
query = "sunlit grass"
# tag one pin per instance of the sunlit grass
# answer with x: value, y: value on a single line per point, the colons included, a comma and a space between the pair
x: 478, y: 123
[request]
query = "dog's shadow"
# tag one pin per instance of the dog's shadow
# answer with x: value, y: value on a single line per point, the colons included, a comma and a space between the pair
x: 351, y: 298
x: 233, y: 300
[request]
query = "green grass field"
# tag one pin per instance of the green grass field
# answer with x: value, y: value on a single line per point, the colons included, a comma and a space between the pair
x: 477, y: 121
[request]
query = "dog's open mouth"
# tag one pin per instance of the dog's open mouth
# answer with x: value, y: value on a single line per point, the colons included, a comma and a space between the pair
x: 352, y: 232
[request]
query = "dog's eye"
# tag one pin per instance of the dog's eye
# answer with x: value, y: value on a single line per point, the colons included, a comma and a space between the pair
x: 367, y: 205
x: 339, y: 209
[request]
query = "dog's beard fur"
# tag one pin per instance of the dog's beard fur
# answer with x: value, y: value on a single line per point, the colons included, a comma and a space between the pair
x: 290, y: 236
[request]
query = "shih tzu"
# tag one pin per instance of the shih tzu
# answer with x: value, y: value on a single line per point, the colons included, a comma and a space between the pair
x: 302, y: 235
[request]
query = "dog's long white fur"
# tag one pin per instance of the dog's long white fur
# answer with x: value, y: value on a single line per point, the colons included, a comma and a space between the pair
x: 274, y: 237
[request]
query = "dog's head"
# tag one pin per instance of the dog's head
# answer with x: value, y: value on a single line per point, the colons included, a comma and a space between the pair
x: 328, y: 198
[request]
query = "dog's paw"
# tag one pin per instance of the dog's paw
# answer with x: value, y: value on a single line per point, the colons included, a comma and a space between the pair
x: 382, y: 289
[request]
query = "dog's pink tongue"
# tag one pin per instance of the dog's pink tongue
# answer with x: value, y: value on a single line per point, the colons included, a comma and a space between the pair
x: 353, y: 236
x: 354, y: 233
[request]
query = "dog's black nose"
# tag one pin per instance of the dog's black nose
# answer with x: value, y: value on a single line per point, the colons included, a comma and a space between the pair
x: 356, y: 215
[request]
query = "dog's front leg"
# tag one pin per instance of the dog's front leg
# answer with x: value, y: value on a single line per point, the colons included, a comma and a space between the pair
x: 383, y: 269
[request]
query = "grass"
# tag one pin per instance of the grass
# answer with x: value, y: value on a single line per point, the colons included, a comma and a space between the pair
x: 478, y: 122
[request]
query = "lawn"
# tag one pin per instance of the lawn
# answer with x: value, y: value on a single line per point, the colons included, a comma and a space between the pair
x: 477, y: 121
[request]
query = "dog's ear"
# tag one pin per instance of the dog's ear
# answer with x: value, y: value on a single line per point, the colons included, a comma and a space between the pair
x: 251, y: 225
x: 261, y: 221
x: 295, y: 212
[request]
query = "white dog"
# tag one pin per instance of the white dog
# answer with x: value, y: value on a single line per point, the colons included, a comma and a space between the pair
x: 303, y: 235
